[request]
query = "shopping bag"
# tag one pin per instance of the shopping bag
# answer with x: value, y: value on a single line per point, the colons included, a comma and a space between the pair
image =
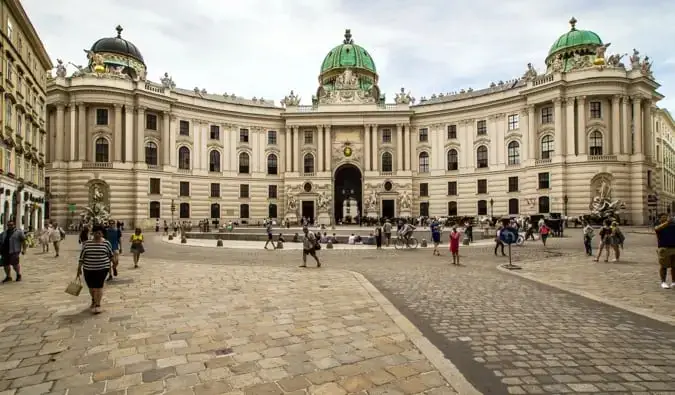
x: 75, y: 287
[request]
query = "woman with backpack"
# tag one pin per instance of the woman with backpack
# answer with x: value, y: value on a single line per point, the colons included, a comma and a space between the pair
x: 606, y: 241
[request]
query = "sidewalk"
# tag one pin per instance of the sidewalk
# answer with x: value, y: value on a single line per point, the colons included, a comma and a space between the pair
x: 175, y: 328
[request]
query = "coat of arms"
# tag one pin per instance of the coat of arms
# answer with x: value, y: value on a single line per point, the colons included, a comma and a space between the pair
x: 347, y: 151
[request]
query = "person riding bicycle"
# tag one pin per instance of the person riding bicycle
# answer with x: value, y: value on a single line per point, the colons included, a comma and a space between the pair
x: 406, y: 231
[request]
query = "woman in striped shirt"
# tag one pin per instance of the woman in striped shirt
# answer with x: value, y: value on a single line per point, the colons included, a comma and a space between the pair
x: 95, y: 259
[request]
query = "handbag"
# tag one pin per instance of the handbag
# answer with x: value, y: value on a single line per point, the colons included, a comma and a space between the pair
x: 75, y: 287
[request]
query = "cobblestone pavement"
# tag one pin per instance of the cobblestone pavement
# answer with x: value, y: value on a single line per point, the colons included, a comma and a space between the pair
x: 169, y: 328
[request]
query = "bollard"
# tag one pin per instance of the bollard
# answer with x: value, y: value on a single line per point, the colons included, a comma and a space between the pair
x: 170, y: 237
x: 280, y: 245
x: 183, y: 240
x: 466, y: 241
x: 219, y: 243
x: 329, y: 245
x: 423, y: 243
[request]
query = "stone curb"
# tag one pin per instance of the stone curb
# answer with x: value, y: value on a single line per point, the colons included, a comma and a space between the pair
x: 588, y: 295
x: 431, y: 352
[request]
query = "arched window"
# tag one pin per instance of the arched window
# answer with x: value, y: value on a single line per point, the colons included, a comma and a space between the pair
x: 544, y: 207
x: 482, y: 157
x: 272, y: 164
x: 308, y: 164
x: 243, y: 211
x: 482, y: 207
x: 155, y: 210
x: 547, y: 147
x: 151, y: 156
x: 215, y: 210
x: 387, y: 162
x: 514, y: 153
x: 184, y: 158
x: 514, y: 206
x: 453, y: 163
x: 244, y: 163
x: 423, y: 160
x: 272, y: 211
x: 184, y: 210
x: 214, y: 161
x: 595, y: 146
x: 102, y: 150
x: 452, y: 209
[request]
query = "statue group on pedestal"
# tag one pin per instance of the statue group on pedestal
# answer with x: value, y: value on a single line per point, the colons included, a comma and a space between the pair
x: 97, y: 212
x: 603, y: 206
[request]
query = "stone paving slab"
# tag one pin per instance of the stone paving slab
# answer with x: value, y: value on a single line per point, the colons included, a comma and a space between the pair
x: 174, y: 328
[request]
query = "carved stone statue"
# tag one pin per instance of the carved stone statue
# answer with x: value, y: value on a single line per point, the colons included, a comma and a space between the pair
x: 96, y: 61
x: 614, y: 60
x: 580, y: 62
x: 323, y: 202
x: 404, y: 98
x: 97, y: 195
x: 646, y: 67
x: 602, y: 204
x: 60, y: 68
x: 167, y: 81
x: 97, y: 212
x: 291, y: 100
x: 347, y: 80
x: 635, y: 59
x: 600, y: 54
x: 291, y: 202
x: 116, y: 70
x: 405, y: 202
x: 530, y: 73
x: 557, y: 65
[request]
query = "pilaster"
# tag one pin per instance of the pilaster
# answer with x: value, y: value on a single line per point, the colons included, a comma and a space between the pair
x: 569, y: 128
x: 72, y: 149
x: 329, y: 148
x: 165, y: 138
x: 140, y: 135
x: 374, y: 144
x: 117, y: 143
x: 532, y: 132
x: 367, y: 140
x: 288, y: 149
x: 399, y: 147
x: 581, y: 125
x: 626, y: 130
x: 616, y: 125
x: 637, y: 125
x: 407, y: 139
x: 557, y: 119
x: 128, y: 134
x: 60, y: 136
x: 320, y: 149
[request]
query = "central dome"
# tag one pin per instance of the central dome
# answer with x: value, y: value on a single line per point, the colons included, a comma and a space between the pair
x: 348, y: 55
x: 575, y: 38
x: 117, y: 45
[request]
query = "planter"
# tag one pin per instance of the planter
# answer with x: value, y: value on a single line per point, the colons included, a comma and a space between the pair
x: 219, y: 243
x: 183, y: 240
x: 170, y: 237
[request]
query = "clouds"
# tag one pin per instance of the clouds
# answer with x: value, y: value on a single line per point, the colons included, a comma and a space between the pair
x: 265, y: 48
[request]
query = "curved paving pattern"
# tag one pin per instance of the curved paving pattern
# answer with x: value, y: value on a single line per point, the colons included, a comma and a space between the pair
x: 507, y: 334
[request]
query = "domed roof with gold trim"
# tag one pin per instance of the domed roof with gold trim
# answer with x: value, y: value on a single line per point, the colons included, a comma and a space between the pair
x: 118, y: 45
x: 349, y: 55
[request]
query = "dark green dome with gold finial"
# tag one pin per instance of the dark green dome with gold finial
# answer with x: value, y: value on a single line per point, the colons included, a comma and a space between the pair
x: 575, y: 38
x: 349, y: 55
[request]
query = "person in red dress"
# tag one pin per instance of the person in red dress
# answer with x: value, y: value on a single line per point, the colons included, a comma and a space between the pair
x: 454, y: 245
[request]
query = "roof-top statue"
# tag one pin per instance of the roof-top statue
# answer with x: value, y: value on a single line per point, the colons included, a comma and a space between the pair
x: 404, y: 98
x: 60, y: 68
x: 290, y: 100
x: 167, y: 81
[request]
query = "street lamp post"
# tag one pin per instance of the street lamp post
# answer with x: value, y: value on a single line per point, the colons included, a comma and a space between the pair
x: 492, y: 208
x: 565, y: 200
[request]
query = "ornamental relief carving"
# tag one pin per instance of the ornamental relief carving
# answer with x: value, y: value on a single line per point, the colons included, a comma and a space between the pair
x: 452, y: 144
x: 481, y: 140
x: 214, y: 143
x: 595, y: 124
x: 513, y: 136
x: 547, y: 128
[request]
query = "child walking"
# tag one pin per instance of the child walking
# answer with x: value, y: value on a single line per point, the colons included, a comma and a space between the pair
x: 454, y: 245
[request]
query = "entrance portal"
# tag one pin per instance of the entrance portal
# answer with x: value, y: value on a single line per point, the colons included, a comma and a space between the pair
x: 388, y: 208
x: 308, y: 210
x: 348, y: 193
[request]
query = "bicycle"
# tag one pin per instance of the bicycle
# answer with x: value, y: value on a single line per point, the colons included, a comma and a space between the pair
x: 401, y: 243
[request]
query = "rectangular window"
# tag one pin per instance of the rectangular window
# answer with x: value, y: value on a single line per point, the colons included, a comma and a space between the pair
x: 215, y: 190
x: 151, y: 121
x: 101, y: 116
x: 423, y: 135
x: 309, y: 137
x: 10, y: 29
x: 8, y: 112
x: 10, y: 69
x: 184, y: 188
x: 271, y: 137
x: 596, y: 110
x: 271, y: 191
x: 546, y: 115
x: 243, y: 136
x: 155, y: 186
x: 452, y: 132
x: 544, y: 181
x: 424, y: 189
x: 513, y: 121
x: 214, y: 132
x: 513, y: 184
x: 243, y: 191
x: 184, y: 128
x: 386, y: 136
x: 481, y: 127
x: 481, y: 186
x: 452, y: 188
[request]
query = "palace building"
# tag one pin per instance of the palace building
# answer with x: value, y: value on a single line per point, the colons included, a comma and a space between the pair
x: 23, y: 136
x: 543, y: 143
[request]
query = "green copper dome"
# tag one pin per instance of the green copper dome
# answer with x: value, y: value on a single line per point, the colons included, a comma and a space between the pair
x: 348, y: 55
x: 575, y: 38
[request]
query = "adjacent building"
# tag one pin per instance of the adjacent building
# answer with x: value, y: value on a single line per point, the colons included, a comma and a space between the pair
x: 23, y: 137
x: 546, y: 142
x: 665, y: 164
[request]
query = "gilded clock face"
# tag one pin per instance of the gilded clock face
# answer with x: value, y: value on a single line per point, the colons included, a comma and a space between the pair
x: 347, y: 151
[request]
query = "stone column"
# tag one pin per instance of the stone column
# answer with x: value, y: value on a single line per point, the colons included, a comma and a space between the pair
x: 329, y: 148
x: 557, y: 119
x: 288, y: 151
x: 525, y: 130
x: 616, y: 125
x: 648, y: 141
x: 283, y: 145
x: 407, y: 140
x: 234, y: 157
x: 129, y: 134
x: 501, y: 136
x: 254, y: 140
x: 637, y: 125
x: 532, y: 131
x: 569, y: 127
x: 367, y: 140
x: 166, y: 143
x: 60, y: 137
x: 626, y: 129
x: 296, y: 149
x: 320, y: 149
x: 470, y: 151
x: 399, y: 147
x: 173, y: 131
x: 117, y: 143
x: 492, y: 135
x: 140, y: 135
x: 374, y: 144
x: 581, y: 124
x: 72, y: 149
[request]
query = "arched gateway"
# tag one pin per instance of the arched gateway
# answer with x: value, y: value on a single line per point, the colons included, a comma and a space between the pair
x: 348, y: 193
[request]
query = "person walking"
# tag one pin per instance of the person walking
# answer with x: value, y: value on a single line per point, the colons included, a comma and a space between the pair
x: 378, y: 236
x: 605, y: 241
x: 114, y: 236
x: 94, y: 264
x: 309, y: 247
x: 588, y: 233
x: 12, y: 244
x: 498, y: 240
x: 544, y: 231
x: 665, y: 238
x: 435, y: 229
x: 454, y: 245
x: 386, y: 228
x: 270, y: 237
x: 136, y: 247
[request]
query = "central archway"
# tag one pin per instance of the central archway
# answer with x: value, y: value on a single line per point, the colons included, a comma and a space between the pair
x: 347, y: 185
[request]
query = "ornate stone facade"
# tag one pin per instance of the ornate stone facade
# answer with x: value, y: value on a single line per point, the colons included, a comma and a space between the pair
x: 533, y: 145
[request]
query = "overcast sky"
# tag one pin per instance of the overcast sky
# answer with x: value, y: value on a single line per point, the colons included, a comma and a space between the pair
x: 265, y: 48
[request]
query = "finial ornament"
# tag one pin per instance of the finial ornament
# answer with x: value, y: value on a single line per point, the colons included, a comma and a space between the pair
x: 573, y: 23
x: 119, y: 31
x: 348, y: 37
